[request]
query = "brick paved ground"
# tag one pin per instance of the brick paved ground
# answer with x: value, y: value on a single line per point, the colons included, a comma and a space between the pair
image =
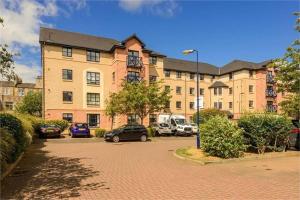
x: 92, y: 169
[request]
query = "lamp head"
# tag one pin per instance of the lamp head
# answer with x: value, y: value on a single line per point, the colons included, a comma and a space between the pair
x: 188, y: 51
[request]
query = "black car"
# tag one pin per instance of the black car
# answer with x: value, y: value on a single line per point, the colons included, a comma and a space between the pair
x: 127, y: 132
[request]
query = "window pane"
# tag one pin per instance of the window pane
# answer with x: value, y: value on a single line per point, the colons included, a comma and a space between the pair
x: 93, y: 120
x: 68, y: 117
x: 93, y: 99
x: 67, y: 96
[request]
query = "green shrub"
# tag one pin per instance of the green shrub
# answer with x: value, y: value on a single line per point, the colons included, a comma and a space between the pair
x: 221, y: 137
x: 99, y: 132
x: 7, y: 148
x: 265, y: 130
x: 206, y: 114
x: 151, y: 132
x: 37, y: 123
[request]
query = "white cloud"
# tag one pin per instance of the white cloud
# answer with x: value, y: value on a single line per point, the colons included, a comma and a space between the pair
x: 166, y: 8
x: 27, y: 74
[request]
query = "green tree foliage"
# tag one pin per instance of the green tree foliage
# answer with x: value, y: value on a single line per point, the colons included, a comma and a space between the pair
x: 31, y: 104
x: 221, y: 137
x: 208, y: 113
x: 141, y: 99
x: 112, y: 107
x: 288, y: 76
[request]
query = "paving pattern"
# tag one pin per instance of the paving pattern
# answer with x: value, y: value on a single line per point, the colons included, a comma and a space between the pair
x: 84, y: 168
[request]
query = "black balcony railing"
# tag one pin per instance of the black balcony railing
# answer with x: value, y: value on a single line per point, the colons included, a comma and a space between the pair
x: 271, y: 108
x: 270, y: 79
x: 270, y: 93
x: 133, y: 78
x: 134, y: 61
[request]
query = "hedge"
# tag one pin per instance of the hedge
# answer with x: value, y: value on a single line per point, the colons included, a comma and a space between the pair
x: 151, y: 132
x: 99, y: 132
x: 208, y: 113
x: 265, y: 130
x: 221, y: 137
x: 7, y: 148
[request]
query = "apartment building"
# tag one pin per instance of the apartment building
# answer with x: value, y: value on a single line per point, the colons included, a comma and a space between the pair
x: 80, y: 71
x: 12, y: 92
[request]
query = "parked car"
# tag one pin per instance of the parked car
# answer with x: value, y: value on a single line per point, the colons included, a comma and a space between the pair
x: 79, y: 129
x: 127, y: 132
x: 294, y: 137
x: 49, y: 130
x: 161, y: 129
x: 194, y: 128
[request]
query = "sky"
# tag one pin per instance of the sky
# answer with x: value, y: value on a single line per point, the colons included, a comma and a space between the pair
x: 220, y: 30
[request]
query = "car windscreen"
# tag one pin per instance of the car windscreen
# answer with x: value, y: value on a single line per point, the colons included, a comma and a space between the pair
x: 164, y: 125
x: 50, y: 126
x: 81, y: 125
x: 180, y: 121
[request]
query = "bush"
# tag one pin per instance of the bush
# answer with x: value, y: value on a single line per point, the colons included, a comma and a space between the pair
x: 151, y: 132
x: 7, y: 148
x: 99, y: 132
x: 206, y: 114
x: 265, y: 130
x: 221, y: 137
x: 37, y: 123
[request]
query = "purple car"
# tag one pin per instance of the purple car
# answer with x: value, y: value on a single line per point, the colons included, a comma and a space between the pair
x: 79, y: 129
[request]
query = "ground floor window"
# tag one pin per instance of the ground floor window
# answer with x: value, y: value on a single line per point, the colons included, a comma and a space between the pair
x: 152, y: 118
x: 68, y: 117
x: 93, y: 120
x: 9, y: 105
x: 131, y: 119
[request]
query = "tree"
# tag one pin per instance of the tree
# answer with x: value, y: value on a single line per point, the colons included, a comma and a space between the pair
x: 6, y: 61
x: 288, y: 76
x: 112, y: 107
x: 142, y: 99
x: 208, y: 113
x: 31, y: 104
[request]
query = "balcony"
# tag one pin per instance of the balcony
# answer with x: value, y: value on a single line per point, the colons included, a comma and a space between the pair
x: 270, y: 79
x: 134, y: 61
x: 271, y: 108
x: 133, y: 78
x: 271, y: 93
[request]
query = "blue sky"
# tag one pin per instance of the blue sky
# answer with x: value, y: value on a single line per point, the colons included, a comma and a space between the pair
x: 221, y: 30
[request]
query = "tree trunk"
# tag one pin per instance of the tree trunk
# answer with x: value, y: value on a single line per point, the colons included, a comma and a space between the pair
x: 112, y: 122
x: 142, y: 120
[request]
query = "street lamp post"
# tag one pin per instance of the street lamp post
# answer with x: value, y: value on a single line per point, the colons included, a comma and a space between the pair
x: 189, y: 51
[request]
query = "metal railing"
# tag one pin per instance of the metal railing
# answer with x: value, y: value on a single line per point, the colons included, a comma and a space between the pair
x: 271, y: 108
x: 270, y: 78
x: 271, y: 93
x: 134, y: 61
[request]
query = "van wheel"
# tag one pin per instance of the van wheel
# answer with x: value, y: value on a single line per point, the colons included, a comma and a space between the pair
x: 143, y: 138
x: 116, y: 138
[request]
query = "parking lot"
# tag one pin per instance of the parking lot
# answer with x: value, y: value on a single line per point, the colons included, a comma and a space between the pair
x: 89, y: 168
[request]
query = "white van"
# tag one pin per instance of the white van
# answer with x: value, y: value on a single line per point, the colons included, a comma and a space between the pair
x: 177, y: 123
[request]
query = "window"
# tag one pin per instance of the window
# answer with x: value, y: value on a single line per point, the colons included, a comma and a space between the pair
x: 152, y: 118
x: 113, y: 76
x: 178, y: 104
x: 93, y: 78
x: 218, y: 105
x: 201, y: 76
x: 9, y: 105
x: 230, y: 105
x: 230, y: 76
x: 93, y: 99
x: 153, y: 60
x: 93, y: 120
x: 178, y: 90
x: 6, y: 91
x: 67, y: 74
x: 250, y: 104
x: 178, y: 74
x: 68, y: 117
x: 167, y: 88
x: 230, y: 90
x: 250, y: 73
x: 133, y: 76
x: 201, y: 91
x: 133, y: 53
x: 192, y: 91
x: 220, y: 91
x: 67, y: 96
x: 67, y: 51
x: 93, y: 56
x: 167, y: 73
x: 21, y: 92
x: 192, y: 76
x: 191, y: 105
x: 152, y: 78
x: 132, y: 119
x: 250, y: 88
x: 215, y: 91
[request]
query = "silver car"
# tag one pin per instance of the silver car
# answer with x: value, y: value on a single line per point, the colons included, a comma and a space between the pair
x: 162, y: 129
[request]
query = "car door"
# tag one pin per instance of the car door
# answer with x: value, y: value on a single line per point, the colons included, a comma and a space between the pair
x: 126, y: 133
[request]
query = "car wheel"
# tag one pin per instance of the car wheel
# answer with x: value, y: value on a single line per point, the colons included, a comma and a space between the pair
x: 143, y: 138
x: 116, y: 138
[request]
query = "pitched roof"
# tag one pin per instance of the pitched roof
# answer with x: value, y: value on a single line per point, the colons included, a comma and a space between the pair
x: 237, y: 65
x: 218, y: 84
x: 7, y: 84
x: 189, y: 66
x: 26, y: 85
x: 20, y: 85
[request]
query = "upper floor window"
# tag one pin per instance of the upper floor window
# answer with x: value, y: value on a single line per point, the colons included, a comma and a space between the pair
x: 167, y: 73
x: 250, y: 73
x: 230, y: 105
x: 218, y: 91
x: 178, y: 74
x: 251, y: 104
x: 21, y: 92
x: 178, y: 90
x: 93, y: 56
x: 67, y: 51
x: 192, y: 76
x: 201, y: 91
x: 178, y: 104
x: 153, y: 60
x: 192, y: 91
x: 133, y: 76
x: 191, y: 105
x: 68, y: 117
x: 9, y: 105
x: 67, y: 74
x: 230, y: 90
x: 230, y: 76
x: 133, y: 53
x: 152, y: 78
x: 201, y: 76
x: 218, y: 105
x: 250, y: 88
x: 93, y: 78
x: 6, y: 91
x: 67, y: 96
x: 93, y: 99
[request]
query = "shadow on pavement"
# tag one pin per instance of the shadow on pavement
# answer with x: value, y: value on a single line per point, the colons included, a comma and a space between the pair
x: 40, y: 176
